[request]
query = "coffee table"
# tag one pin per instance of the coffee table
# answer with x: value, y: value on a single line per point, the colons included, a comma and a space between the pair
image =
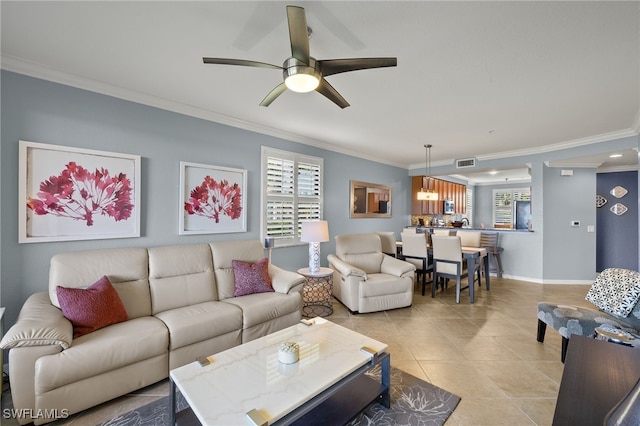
x: 248, y: 385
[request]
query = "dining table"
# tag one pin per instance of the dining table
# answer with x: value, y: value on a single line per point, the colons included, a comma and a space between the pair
x: 472, y: 255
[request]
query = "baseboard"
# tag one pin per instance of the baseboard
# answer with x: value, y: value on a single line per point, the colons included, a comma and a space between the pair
x: 547, y: 281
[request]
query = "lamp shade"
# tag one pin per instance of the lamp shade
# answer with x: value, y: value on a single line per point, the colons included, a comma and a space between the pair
x: 427, y: 195
x: 315, y: 231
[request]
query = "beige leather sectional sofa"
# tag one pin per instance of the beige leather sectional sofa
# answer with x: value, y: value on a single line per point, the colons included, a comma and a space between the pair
x: 180, y: 304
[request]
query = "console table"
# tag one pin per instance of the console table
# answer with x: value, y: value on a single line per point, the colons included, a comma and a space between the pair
x: 597, y: 375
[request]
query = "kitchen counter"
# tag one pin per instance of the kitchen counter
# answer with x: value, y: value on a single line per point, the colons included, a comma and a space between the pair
x: 471, y: 228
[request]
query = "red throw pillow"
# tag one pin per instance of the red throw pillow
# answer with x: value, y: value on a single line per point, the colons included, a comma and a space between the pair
x: 251, y: 278
x: 91, y: 308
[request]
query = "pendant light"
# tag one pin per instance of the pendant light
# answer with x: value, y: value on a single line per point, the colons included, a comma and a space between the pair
x: 427, y: 194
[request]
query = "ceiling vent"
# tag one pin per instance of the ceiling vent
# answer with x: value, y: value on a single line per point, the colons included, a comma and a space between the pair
x: 465, y: 163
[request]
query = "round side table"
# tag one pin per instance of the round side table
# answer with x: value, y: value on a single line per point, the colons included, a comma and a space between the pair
x: 317, y: 292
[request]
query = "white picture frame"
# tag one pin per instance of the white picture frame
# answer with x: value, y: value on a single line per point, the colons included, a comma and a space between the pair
x: 67, y: 193
x: 213, y: 199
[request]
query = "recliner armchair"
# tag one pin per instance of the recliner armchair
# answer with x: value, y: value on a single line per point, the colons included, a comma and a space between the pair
x: 367, y: 280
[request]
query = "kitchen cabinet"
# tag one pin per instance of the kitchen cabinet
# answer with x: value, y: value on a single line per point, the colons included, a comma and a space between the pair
x: 373, y: 204
x: 445, y: 189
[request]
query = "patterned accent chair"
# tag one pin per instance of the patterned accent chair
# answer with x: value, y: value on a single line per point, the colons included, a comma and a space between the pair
x: 615, y: 294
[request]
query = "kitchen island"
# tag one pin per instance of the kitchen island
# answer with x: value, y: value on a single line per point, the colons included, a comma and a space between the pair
x: 517, y: 250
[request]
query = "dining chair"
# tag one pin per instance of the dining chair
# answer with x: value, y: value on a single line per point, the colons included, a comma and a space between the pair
x: 414, y: 250
x: 444, y: 232
x: 472, y: 239
x: 448, y: 264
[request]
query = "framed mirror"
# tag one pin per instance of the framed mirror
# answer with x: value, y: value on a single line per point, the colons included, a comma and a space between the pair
x: 369, y: 200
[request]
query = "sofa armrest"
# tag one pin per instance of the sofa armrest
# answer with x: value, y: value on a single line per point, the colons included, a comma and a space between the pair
x: 344, y: 268
x: 392, y: 266
x: 284, y: 281
x: 39, y: 324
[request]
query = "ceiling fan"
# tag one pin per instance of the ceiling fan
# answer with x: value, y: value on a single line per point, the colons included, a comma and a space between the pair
x: 303, y: 73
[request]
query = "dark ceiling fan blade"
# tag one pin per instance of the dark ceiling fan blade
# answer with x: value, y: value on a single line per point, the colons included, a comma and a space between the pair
x: 336, y: 66
x: 277, y: 91
x: 298, y: 33
x: 243, y: 62
x: 332, y: 94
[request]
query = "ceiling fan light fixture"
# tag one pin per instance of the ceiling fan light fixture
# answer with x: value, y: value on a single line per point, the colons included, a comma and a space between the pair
x: 301, y: 82
x: 301, y: 77
x: 427, y: 195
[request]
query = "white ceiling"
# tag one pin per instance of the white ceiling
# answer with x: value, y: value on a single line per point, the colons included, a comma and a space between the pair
x: 473, y: 78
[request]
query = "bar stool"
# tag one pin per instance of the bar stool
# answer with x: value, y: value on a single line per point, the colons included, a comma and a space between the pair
x: 489, y: 240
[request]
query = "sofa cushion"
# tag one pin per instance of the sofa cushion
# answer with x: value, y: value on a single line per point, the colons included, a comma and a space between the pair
x: 181, y: 275
x: 203, y: 321
x: 126, y: 268
x: 251, y: 278
x: 384, y: 284
x: 104, y: 350
x: 264, y: 307
x: 224, y: 253
x: 615, y: 291
x: 92, y: 308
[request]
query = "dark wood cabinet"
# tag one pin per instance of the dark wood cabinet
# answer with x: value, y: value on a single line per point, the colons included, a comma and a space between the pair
x: 446, y: 191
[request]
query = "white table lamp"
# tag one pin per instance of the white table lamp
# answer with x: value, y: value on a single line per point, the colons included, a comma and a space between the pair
x: 314, y: 233
x: 269, y: 243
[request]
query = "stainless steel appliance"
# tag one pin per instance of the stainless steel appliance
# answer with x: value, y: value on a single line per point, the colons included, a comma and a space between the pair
x: 448, y: 207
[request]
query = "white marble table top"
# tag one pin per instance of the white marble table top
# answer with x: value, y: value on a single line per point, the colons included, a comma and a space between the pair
x: 250, y: 376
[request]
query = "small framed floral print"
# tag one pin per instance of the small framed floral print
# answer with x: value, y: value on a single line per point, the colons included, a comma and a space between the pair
x: 212, y: 199
x: 76, y: 194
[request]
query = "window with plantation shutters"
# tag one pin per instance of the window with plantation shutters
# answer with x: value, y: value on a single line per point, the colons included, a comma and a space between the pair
x: 291, y: 194
x: 469, y: 204
x: 504, y: 205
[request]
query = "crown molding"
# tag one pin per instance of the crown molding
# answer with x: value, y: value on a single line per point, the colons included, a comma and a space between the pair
x: 636, y: 123
x: 575, y: 143
x: 35, y: 70
x: 614, y: 169
x: 38, y: 71
x: 574, y: 165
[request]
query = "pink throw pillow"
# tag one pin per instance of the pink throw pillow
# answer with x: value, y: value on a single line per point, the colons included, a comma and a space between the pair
x: 91, y: 308
x: 251, y: 278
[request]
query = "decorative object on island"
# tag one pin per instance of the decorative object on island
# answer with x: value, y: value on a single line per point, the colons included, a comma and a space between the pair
x: 428, y: 194
x: 212, y: 199
x: 70, y: 193
x: 289, y: 353
x: 314, y: 233
x: 269, y: 243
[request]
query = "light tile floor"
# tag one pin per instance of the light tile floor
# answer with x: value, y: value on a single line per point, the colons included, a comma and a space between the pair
x: 486, y: 353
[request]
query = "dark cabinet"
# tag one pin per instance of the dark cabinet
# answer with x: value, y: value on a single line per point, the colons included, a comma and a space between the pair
x: 446, y: 190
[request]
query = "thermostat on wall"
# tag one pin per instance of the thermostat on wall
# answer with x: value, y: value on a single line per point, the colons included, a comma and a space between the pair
x: 575, y: 223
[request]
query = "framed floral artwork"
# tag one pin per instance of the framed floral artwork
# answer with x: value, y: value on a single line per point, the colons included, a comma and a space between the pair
x: 76, y: 194
x: 212, y: 199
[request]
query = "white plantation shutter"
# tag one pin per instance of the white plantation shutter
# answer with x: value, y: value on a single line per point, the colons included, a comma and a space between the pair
x: 469, y: 204
x: 292, y: 193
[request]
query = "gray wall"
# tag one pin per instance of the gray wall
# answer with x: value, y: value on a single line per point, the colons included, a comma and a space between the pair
x: 41, y: 111
x: 569, y: 251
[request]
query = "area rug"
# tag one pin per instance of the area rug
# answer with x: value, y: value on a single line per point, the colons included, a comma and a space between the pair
x: 414, y: 402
